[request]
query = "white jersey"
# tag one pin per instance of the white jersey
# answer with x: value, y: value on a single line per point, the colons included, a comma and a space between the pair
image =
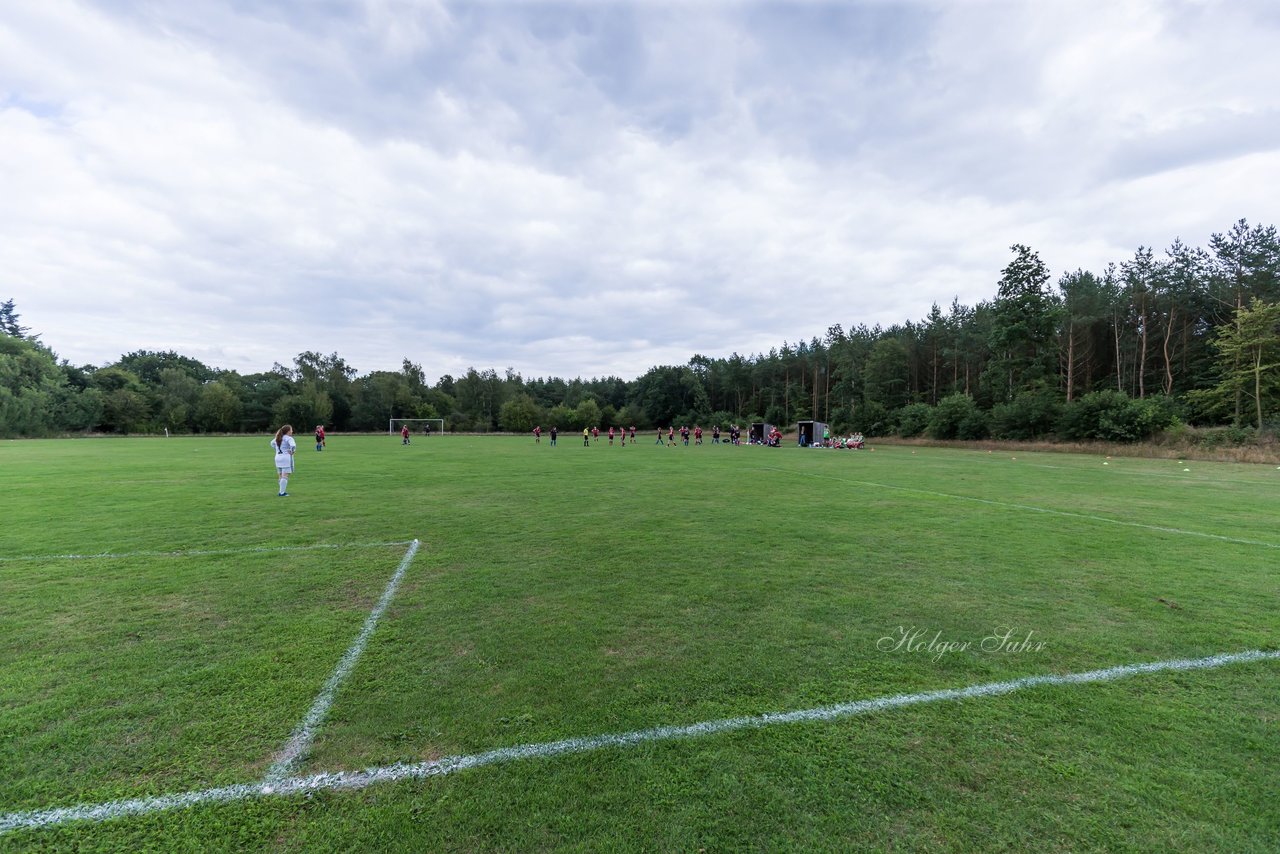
x: 284, y: 452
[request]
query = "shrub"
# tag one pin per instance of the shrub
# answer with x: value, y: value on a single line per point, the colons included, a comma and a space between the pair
x: 913, y: 419
x: 1112, y: 416
x: 1176, y: 433
x: 1223, y: 437
x: 1159, y: 412
x: 976, y: 425
x: 1030, y: 415
x: 957, y: 417
x: 1098, y: 415
x: 871, y: 419
x: 722, y: 417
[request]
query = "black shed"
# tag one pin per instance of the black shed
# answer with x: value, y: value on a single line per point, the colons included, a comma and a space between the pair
x: 759, y: 432
x: 810, y: 432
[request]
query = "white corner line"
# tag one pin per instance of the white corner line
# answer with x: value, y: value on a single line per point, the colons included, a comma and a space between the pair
x: 36, y: 819
x: 304, y: 733
x: 201, y: 552
x: 1030, y: 508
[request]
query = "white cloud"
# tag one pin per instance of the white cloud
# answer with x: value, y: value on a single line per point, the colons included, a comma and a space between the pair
x: 591, y: 189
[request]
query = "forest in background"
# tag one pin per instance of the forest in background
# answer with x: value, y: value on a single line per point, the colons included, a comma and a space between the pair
x: 1163, y: 340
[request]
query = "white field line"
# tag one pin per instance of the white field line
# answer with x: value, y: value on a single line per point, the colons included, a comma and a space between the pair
x: 36, y: 819
x: 1031, y: 508
x: 304, y: 733
x: 203, y: 552
x: 1120, y: 470
x: 1194, y: 482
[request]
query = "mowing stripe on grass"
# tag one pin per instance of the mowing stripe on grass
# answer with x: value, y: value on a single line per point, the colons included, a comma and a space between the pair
x: 300, y: 741
x: 36, y: 819
x: 1119, y: 471
x: 205, y: 552
x: 1030, y: 508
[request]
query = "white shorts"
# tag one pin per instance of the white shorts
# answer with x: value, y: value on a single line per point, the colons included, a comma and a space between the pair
x: 284, y: 463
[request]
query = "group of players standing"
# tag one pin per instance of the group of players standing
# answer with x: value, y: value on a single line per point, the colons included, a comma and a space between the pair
x: 588, y: 434
x: 592, y: 434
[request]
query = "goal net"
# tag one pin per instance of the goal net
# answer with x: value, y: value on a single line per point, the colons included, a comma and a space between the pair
x: 417, y: 426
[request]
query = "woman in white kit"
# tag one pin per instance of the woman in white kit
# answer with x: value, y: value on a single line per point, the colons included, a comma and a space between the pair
x: 284, y: 447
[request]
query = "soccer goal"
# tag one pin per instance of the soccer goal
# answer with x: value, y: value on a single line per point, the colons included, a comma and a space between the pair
x: 417, y: 426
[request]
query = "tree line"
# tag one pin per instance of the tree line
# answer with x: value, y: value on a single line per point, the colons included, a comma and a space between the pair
x: 1163, y: 339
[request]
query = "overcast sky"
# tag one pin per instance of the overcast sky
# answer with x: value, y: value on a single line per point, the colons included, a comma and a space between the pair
x: 594, y: 188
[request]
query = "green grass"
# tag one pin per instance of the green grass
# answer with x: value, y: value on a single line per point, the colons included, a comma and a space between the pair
x: 566, y: 591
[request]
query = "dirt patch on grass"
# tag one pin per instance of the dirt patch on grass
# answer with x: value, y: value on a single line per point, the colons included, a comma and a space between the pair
x: 351, y: 597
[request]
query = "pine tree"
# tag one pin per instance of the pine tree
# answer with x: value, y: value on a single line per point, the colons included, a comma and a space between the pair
x: 1250, y: 354
x: 9, y: 321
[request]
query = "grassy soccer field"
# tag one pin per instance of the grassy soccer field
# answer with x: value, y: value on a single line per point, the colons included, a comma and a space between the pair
x: 167, y: 624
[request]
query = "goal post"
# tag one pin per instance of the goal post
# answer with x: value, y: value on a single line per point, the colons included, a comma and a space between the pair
x: 417, y: 426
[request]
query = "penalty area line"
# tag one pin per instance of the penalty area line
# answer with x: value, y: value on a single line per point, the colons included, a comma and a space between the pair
x: 343, y: 780
x: 300, y: 741
x: 1030, y: 508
